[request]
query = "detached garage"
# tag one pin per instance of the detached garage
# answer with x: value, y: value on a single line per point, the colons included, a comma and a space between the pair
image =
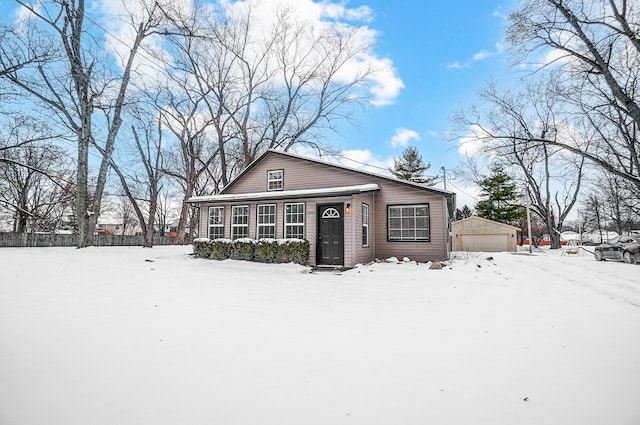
x: 479, y: 234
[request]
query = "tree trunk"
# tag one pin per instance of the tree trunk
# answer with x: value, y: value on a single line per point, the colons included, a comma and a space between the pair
x: 184, y: 217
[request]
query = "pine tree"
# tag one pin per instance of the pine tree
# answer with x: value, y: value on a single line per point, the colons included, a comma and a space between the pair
x: 411, y: 167
x: 463, y: 213
x: 501, y: 198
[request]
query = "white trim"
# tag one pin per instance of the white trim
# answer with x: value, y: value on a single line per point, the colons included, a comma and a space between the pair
x: 365, y: 225
x: 259, y: 225
x: 331, y: 213
x: 414, y: 228
x: 289, y: 225
x: 235, y: 225
x: 331, y: 191
x: 219, y: 225
x: 275, y: 180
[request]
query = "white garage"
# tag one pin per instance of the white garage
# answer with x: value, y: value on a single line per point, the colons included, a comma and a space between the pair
x: 481, y: 235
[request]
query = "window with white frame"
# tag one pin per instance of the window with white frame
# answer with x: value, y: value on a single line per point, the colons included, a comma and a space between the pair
x: 408, y: 223
x: 266, y: 221
x: 216, y: 222
x: 239, y: 222
x: 365, y: 225
x: 275, y: 180
x: 294, y: 221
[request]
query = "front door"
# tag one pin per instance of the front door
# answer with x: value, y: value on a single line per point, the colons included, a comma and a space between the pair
x: 330, y: 235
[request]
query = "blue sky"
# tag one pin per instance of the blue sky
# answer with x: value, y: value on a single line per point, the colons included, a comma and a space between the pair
x: 443, y: 52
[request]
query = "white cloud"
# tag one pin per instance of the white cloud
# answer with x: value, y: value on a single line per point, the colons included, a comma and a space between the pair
x: 383, y: 83
x: 472, y: 145
x: 360, y: 159
x: 484, y: 54
x: 498, y: 13
x: 364, y: 159
x: 403, y: 136
x: 479, y: 56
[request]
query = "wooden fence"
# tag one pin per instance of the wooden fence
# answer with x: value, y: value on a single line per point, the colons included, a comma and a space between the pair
x: 47, y: 240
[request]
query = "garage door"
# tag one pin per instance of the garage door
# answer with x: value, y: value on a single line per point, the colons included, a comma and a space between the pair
x: 487, y: 243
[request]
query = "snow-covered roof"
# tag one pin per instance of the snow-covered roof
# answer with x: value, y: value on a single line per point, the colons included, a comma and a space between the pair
x: 301, y: 193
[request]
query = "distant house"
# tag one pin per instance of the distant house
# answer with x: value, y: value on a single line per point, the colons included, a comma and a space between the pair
x: 348, y: 216
x: 482, y: 235
x: 109, y: 224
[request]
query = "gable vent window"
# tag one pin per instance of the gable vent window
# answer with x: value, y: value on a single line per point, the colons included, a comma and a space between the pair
x: 275, y: 180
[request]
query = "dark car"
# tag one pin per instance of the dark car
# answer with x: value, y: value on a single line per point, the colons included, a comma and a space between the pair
x: 622, y: 248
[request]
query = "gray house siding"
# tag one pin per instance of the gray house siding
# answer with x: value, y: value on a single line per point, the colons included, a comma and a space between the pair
x: 397, y: 194
x: 298, y: 174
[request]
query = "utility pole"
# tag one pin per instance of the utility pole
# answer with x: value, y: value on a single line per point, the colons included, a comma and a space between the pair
x: 444, y: 177
x: 529, y: 229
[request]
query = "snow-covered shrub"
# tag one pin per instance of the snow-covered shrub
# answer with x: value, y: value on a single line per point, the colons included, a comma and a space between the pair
x: 243, y: 249
x: 221, y: 249
x: 266, y: 250
x: 296, y: 250
x: 218, y: 249
x: 201, y: 247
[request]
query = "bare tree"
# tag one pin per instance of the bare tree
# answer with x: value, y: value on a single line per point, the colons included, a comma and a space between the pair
x: 35, y: 176
x: 597, y: 50
x: 246, y: 86
x: 613, y: 202
x: 141, y: 176
x: 76, y: 83
x: 511, y: 126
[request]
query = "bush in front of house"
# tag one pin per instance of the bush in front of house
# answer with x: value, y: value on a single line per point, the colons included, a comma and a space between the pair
x: 265, y: 250
x: 217, y: 249
x: 242, y: 249
x: 201, y: 247
x: 296, y: 250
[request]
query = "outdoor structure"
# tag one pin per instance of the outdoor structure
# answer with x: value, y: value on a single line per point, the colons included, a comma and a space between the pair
x: 480, y: 234
x: 348, y: 216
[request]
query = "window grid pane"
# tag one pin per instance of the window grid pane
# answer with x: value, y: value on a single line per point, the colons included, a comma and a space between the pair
x: 365, y: 225
x: 266, y: 227
x: 216, y: 222
x: 275, y: 180
x: 239, y: 222
x: 294, y: 221
x: 408, y: 223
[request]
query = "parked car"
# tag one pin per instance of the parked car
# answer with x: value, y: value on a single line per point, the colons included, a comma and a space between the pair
x: 622, y: 248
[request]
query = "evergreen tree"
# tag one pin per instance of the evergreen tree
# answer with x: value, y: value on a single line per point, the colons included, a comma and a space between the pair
x: 463, y: 213
x: 411, y: 167
x: 500, y: 201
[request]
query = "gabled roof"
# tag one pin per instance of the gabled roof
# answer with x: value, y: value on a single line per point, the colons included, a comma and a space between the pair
x: 328, y: 164
x: 288, y: 194
x: 476, y: 218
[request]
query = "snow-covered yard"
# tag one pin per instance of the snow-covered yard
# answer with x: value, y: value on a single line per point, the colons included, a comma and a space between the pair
x: 153, y: 336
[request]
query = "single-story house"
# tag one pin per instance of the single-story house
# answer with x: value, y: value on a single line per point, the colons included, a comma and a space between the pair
x: 478, y: 234
x: 349, y: 216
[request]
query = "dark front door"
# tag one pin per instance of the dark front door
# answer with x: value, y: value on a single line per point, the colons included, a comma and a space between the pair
x: 330, y: 235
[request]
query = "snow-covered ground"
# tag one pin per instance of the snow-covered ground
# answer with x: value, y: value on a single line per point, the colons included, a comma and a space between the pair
x: 153, y: 336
